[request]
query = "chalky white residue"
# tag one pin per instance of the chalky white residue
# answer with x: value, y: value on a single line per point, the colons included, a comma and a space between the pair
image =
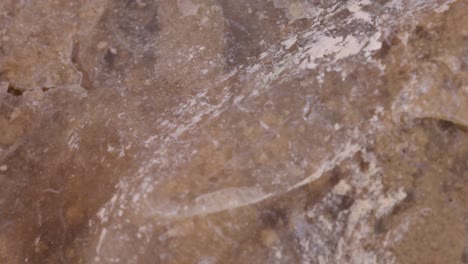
x: 74, y: 141
x: 442, y: 8
x: 355, y: 7
x: 317, y: 49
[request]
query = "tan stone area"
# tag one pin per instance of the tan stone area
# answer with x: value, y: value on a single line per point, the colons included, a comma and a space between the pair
x: 234, y: 131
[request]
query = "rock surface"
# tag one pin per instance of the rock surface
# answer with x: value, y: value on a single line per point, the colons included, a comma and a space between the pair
x: 234, y: 131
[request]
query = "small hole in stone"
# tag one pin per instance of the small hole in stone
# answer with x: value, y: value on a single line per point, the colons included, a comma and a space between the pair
x: 14, y: 91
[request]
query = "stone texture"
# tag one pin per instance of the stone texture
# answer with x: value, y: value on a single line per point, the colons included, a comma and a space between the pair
x: 203, y: 131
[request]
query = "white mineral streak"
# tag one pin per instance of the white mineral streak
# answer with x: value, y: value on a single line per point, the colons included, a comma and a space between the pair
x: 102, y: 237
x: 289, y: 42
x: 348, y: 151
x: 231, y: 198
x: 322, y: 47
x: 387, y: 203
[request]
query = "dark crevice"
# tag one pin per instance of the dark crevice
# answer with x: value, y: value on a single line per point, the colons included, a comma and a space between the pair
x: 15, y: 91
x: 445, y: 124
x: 449, y: 126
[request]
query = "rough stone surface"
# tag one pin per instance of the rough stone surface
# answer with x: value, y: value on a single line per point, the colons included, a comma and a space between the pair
x: 234, y: 131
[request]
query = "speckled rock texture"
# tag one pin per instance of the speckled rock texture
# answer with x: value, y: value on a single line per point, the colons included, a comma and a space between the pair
x: 234, y: 131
